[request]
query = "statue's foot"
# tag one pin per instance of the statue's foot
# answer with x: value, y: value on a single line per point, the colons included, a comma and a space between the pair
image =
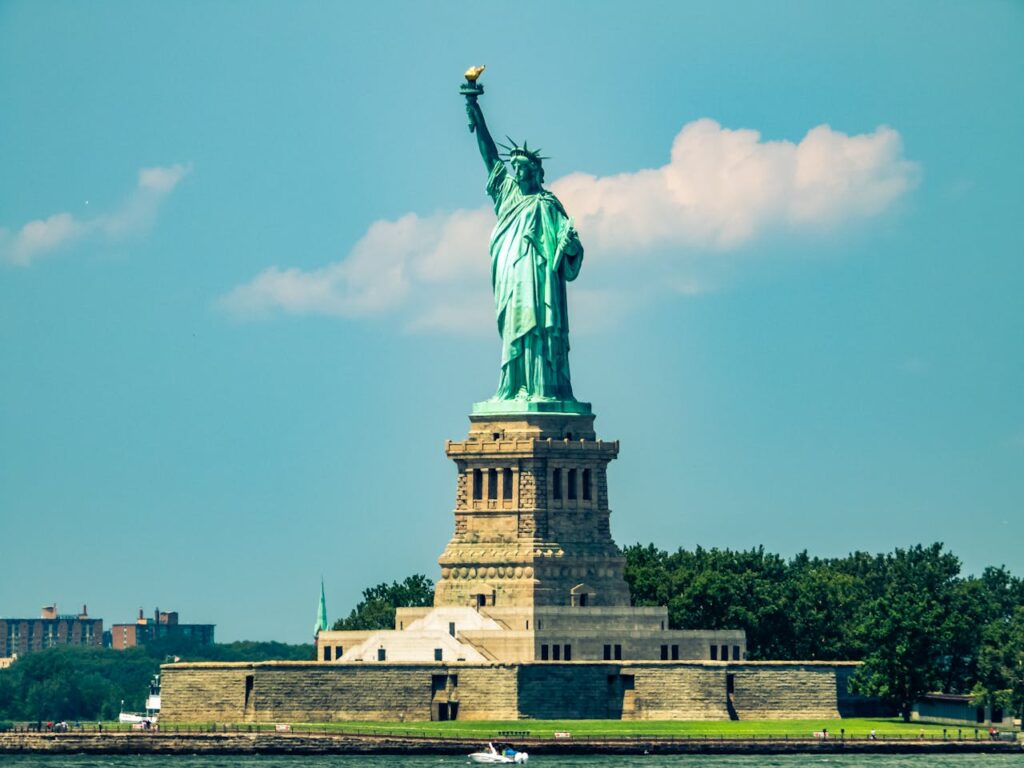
x: 551, y: 399
x: 525, y: 396
x: 521, y: 396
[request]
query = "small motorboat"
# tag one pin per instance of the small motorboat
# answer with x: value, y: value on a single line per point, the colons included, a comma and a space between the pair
x: 492, y: 756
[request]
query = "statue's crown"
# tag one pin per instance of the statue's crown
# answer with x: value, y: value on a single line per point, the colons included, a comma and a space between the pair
x: 513, y: 150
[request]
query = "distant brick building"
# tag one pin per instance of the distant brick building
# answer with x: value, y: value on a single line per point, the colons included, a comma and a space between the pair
x: 163, y: 624
x: 18, y: 636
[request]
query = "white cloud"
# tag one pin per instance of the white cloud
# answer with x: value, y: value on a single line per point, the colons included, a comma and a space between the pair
x: 134, y: 216
x: 723, y: 188
x: 163, y: 179
x: 435, y: 264
x: 720, y: 191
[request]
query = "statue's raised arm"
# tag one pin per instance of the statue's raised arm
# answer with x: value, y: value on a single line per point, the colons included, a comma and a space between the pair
x: 471, y: 89
x: 535, y: 251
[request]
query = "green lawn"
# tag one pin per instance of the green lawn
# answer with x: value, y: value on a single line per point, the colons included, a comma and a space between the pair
x: 854, y: 728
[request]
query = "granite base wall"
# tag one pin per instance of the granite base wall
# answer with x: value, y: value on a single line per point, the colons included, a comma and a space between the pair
x: 676, y: 692
x: 204, y: 692
x: 311, y: 692
x: 576, y: 691
x: 785, y: 691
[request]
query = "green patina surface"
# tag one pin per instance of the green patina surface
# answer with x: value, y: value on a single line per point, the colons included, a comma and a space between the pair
x: 534, y: 251
x: 507, y: 407
x: 321, y: 611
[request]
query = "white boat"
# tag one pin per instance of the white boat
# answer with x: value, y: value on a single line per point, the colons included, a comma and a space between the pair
x: 152, y: 708
x: 499, y: 758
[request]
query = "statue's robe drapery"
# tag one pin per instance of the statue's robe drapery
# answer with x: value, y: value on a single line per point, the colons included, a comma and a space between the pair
x: 529, y: 270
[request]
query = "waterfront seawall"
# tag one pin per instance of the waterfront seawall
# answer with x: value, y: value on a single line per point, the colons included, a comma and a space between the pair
x: 270, y: 743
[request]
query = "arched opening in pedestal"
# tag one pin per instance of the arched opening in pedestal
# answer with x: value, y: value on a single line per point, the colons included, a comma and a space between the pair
x: 482, y: 596
x: 582, y: 595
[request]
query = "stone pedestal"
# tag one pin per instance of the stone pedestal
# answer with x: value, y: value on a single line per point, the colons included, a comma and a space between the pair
x: 531, y: 515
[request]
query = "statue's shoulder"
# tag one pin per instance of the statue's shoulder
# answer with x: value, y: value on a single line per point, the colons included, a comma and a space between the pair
x: 549, y: 197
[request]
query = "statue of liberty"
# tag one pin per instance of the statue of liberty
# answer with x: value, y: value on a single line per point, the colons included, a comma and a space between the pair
x: 534, y: 250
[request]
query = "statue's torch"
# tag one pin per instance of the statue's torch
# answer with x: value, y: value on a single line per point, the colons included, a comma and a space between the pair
x: 471, y: 88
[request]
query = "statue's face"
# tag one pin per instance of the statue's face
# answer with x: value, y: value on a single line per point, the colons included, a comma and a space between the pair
x: 526, y: 176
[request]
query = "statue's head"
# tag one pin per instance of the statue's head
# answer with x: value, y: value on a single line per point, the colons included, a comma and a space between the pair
x: 527, y: 166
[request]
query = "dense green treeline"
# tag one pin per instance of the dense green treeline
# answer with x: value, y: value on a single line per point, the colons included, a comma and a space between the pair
x: 76, y: 683
x: 915, y: 621
x: 67, y: 683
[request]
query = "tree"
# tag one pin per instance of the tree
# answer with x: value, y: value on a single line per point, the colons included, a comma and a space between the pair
x: 715, y: 589
x: 646, y: 573
x: 907, y: 629
x: 377, y: 608
x: 76, y: 683
x: 1001, y: 664
x: 69, y: 682
x: 188, y: 649
x: 823, y: 601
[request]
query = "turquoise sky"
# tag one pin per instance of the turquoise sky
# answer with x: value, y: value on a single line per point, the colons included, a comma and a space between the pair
x: 244, y: 292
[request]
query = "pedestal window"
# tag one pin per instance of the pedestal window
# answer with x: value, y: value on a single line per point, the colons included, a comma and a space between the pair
x: 478, y: 485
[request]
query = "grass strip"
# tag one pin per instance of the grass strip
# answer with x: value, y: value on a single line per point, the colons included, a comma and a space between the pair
x: 853, y: 728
